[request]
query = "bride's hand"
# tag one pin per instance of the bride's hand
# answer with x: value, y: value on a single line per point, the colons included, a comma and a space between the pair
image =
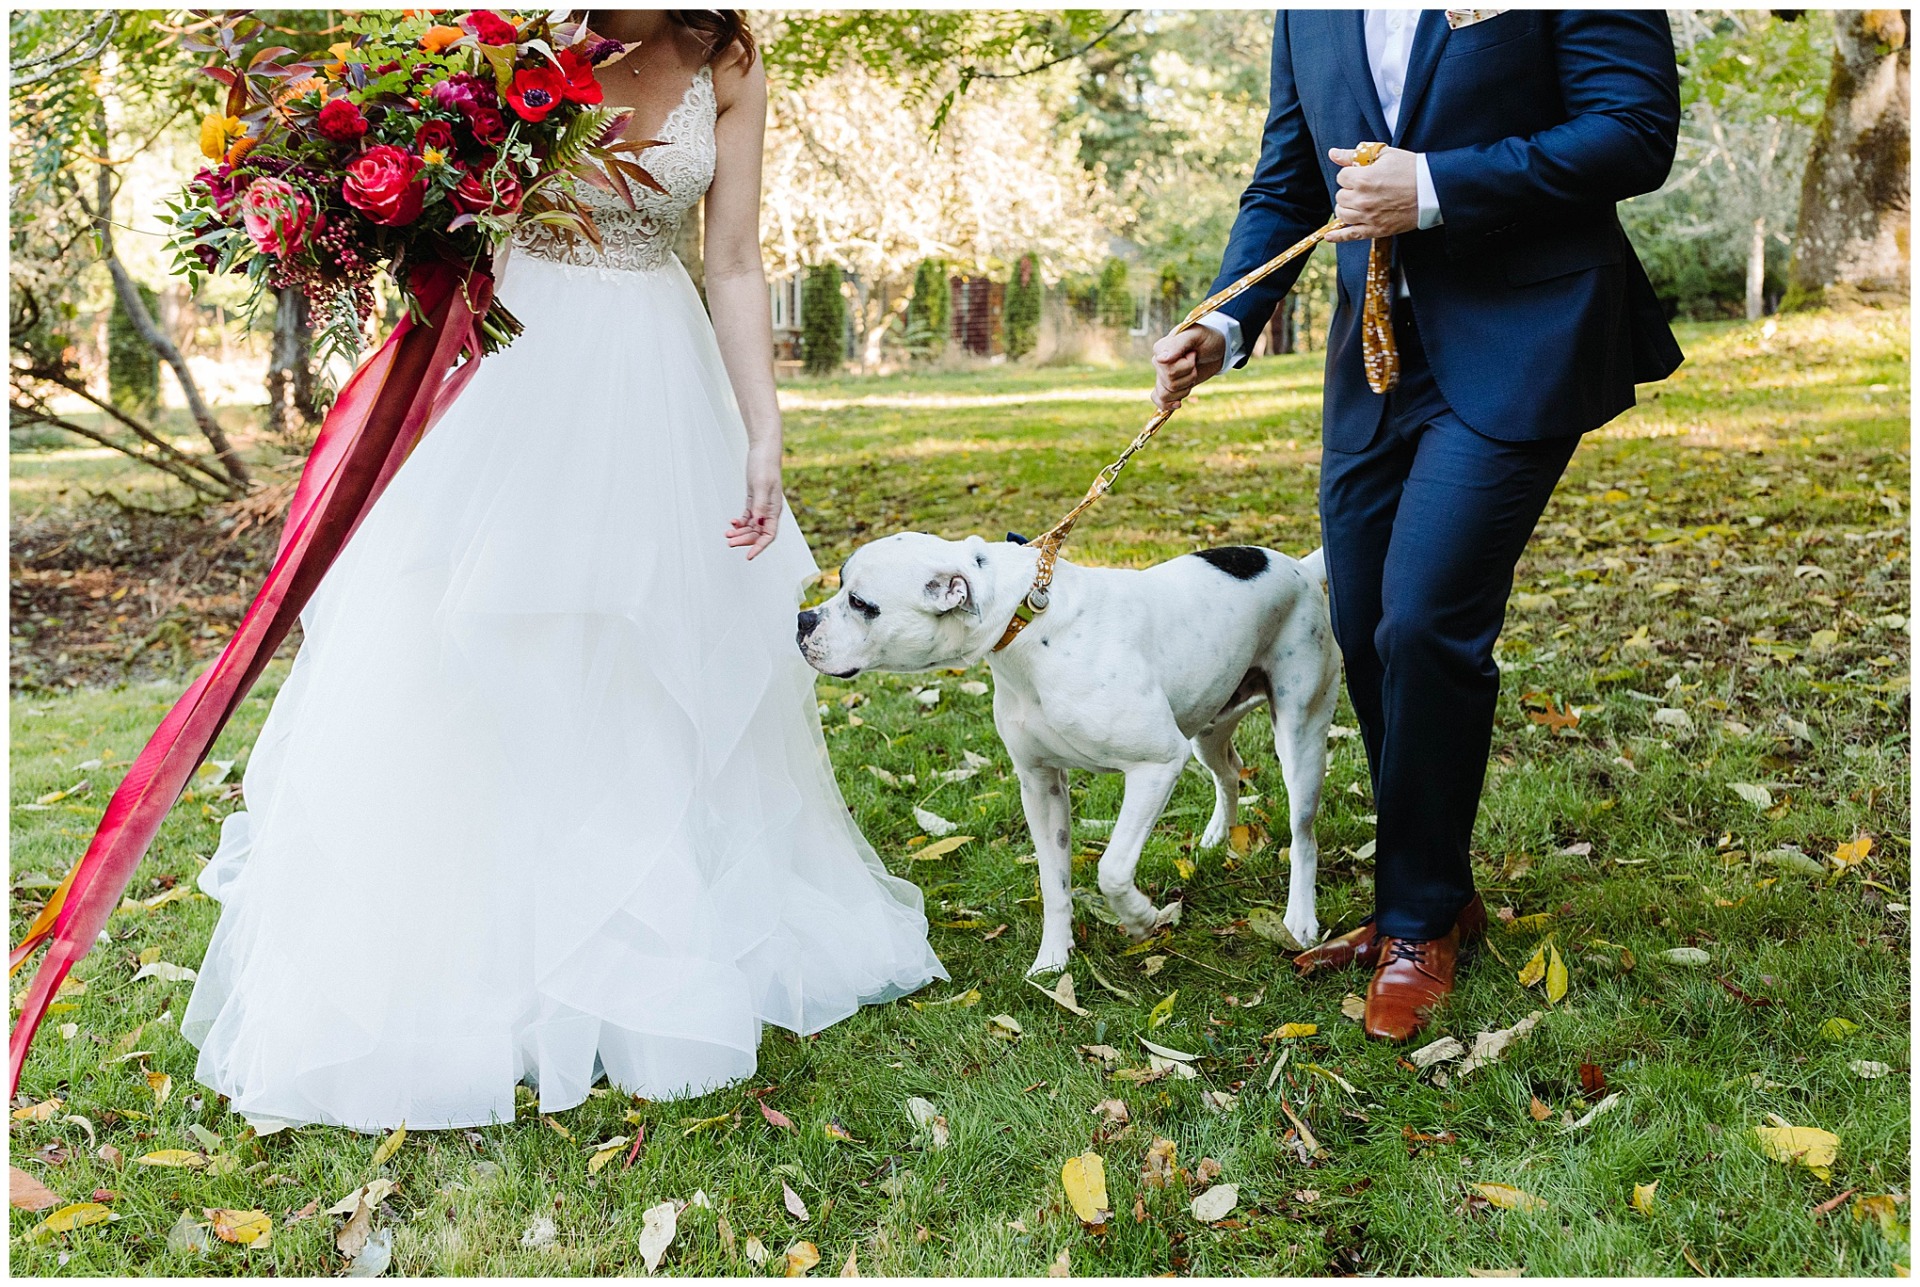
x: 759, y: 523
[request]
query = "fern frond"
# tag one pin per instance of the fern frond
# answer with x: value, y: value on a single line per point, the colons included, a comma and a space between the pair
x: 580, y: 134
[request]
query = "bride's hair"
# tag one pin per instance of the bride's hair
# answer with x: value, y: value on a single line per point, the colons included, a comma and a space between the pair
x: 721, y: 30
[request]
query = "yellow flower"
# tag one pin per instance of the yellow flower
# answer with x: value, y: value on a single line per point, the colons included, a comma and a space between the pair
x: 338, y: 67
x: 438, y: 38
x: 431, y: 156
x: 215, y: 131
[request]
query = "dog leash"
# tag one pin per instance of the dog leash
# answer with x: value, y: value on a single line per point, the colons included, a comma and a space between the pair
x: 1380, y: 356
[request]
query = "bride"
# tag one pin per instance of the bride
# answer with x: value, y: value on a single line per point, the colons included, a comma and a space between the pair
x: 545, y: 795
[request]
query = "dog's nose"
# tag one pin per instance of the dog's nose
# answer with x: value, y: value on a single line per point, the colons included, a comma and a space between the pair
x: 808, y: 620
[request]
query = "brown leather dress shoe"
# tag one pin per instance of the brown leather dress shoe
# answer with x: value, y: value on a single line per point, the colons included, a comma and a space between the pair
x: 1361, y: 946
x: 1414, y: 976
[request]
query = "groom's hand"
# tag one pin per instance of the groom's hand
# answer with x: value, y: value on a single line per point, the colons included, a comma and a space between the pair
x: 1184, y: 359
x: 1378, y: 200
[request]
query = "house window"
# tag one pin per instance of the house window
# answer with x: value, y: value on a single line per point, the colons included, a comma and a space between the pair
x: 1141, y: 313
x: 784, y: 295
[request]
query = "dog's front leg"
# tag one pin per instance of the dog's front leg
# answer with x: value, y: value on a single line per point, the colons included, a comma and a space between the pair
x: 1148, y: 787
x: 1043, y: 794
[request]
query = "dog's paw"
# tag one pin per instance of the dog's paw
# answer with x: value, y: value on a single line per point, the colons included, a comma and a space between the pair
x: 1305, y: 928
x: 1216, y: 833
x: 1051, y: 960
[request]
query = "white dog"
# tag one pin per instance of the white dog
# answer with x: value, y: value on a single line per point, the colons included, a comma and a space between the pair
x: 1126, y: 672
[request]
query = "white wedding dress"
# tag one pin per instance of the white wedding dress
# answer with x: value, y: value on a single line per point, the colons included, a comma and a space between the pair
x: 545, y: 795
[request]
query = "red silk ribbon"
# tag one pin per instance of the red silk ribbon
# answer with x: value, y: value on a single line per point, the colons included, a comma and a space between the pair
x: 381, y: 413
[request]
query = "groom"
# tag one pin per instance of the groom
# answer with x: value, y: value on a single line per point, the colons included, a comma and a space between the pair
x: 1522, y: 318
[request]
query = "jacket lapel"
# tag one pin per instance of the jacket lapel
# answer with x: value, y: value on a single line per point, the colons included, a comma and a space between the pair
x: 1429, y: 40
x: 1350, y: 52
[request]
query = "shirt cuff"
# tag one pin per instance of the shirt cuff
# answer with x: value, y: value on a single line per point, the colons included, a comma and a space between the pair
x: 1429, y: 199
x: 1229, y: 329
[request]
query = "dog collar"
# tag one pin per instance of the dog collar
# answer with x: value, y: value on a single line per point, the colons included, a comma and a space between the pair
x: 1031, y: 604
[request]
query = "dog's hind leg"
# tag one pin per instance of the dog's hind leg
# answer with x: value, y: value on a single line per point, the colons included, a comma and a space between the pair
x: 1213, y: 747
x: 1148, y: 786
x: 1043, y: 794
x: 1300, y: 721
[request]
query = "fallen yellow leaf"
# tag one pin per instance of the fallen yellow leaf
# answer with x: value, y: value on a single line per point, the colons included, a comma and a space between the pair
x: 1157, y: 1171
x: 69, y: 1218
x: 1810, y: 1146
x: 1853, y: 853
x: 1508, y: 1198
x: 1085, y: 1180
x: 390, y: 1145
x: 1556, y: 975
x: 1161, y: 1012
x: 173, y: 1157
x: 801, y: 1257
x: 41, y: 1112
x: 1643, y: 1197
x: 162, y: 1086
x: 1288, y: 1031
x: 248, y: 1228
x: 1536, y: 967
x: 941, y: 848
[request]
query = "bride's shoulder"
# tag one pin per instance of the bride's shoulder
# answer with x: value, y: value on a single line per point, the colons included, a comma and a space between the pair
x: 736, y: 80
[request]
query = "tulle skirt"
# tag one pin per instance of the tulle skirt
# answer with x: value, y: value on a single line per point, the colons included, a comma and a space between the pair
x: 545, y: 794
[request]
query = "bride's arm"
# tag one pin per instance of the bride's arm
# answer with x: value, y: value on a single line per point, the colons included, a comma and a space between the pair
x: 737, y: 291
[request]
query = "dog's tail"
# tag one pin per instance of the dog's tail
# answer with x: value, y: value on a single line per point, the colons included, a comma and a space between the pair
x: 1315, y: 565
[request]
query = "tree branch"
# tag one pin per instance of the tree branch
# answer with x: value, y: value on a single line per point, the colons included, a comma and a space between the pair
x: 139, y: 430
x: 40, y: 415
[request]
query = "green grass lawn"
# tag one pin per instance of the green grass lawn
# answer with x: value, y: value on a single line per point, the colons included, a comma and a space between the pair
x: 1718, y: 593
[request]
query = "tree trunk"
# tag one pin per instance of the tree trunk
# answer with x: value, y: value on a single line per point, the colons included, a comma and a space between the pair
x: 1851, y: 245
x: 290, y: 367
x: 128, y: 294
x: 1757, y: 270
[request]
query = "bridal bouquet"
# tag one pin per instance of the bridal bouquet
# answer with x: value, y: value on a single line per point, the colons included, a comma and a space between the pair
x: 423, y: 138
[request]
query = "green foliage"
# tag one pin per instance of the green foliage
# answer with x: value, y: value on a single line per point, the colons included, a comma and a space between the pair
x: 1020, y: 313
x: 930, y: 310
x: 823, y: 321
x: 1115, y: 298
x: 133, y: 368
x: 1752, y: 88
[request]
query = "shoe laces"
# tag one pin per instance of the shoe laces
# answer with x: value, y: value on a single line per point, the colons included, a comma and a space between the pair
x: 1409, y: 950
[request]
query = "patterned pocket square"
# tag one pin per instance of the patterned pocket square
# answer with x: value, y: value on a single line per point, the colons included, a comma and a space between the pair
x: 1458, y: 18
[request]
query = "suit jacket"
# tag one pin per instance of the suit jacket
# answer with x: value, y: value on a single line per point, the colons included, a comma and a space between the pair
x: 1534, y: 311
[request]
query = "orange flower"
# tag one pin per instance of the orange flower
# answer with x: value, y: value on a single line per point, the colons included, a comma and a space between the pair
x: 438, y: 38
x: 241, y: 146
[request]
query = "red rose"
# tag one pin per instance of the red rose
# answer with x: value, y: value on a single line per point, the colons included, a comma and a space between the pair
x: 484, y: 193
x: 433, y: 134
x: 490, y: 28
x: 383, y: 183
x: 341, y: 122
x: 537, y: 91
x: 487, y: 124
x: 581, y: 86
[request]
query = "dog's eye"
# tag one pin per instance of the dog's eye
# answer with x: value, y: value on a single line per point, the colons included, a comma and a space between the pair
x: 862, y: 607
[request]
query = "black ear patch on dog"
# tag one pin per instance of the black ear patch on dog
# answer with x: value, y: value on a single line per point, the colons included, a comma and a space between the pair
x: 1241, y: 562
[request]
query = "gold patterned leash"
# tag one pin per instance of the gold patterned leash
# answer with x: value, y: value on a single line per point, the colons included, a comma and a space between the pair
x: 1381, y: 357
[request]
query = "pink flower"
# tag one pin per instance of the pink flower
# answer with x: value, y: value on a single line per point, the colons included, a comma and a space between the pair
x: 487, y: 193
x: 384, y: 184
x: 341, y: 122
x: 276, y: 215
x: 463, y: 92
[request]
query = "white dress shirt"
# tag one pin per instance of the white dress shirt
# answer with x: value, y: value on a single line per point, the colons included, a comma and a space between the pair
x: 1389, y: 50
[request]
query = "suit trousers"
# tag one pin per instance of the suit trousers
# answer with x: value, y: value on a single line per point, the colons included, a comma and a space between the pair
x: 1422, y: 528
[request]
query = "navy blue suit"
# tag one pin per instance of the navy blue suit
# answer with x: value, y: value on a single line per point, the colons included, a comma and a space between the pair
x: 1527, y: 321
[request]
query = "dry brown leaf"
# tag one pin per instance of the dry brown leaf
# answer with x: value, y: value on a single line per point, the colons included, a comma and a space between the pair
x: 29, y: 1194
x: 795, y: 1207
x: 1156, y: 1172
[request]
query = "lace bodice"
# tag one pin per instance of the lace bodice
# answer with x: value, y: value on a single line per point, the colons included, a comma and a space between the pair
x: 641, y: 239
